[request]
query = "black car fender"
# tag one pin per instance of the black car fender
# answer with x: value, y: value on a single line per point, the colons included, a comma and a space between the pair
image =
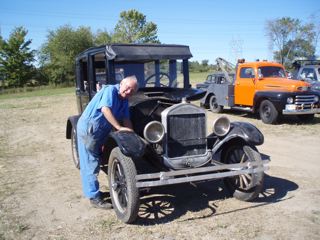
x: 241, y: 132
x: 130, y: 143
x: 71, y: 123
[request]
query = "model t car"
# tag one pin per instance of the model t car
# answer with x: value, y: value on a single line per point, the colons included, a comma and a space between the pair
x: 170, y: 144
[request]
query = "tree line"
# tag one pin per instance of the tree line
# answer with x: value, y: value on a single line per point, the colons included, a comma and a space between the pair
x: 56, y: 58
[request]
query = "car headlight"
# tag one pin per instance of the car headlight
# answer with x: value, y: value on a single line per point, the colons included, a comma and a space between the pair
x: 290, y: 100
x: 153, y: 132
x: 316, y: 98
x: 221, y: 126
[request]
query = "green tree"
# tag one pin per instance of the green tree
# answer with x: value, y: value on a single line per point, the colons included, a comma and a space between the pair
x: 291, y: 39
x: 57, y: 56
x: 204, y: 66
x: 16, y: 58
x: 133, y: 28
x: 102, y: 37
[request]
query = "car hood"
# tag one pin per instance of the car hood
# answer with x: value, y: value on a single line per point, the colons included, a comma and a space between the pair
x: 172, y: 94
x: 315, y: 86
x: 282, y: 84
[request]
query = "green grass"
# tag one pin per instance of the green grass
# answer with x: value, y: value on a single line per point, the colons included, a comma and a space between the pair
x: 198, y: 77
x: 195, y: 77
x: 43, y: 91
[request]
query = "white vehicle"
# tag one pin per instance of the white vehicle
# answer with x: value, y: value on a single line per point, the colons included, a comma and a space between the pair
x: 308, y: 70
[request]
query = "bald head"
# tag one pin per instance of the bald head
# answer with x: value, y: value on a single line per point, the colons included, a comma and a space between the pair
x: 128, y: 86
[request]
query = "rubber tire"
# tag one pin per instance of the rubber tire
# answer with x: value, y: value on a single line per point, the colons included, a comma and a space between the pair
x: 268, y: 113
x: 235, y: 190
x: 306, y: 118
x: 128, y: 213
x: 214, y: 107
x: 74, y: 148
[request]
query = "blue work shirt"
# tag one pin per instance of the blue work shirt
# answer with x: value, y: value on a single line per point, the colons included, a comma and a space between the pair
x: 92, y: 119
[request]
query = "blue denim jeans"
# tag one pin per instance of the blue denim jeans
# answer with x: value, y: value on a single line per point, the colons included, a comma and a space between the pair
x: 90, y: 150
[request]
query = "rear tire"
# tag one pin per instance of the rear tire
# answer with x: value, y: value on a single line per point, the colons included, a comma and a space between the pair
x: 74, y: 148
x: 214, y: 107
x: 268, y: 113
x: 245, y: 187
x: 122, y: 183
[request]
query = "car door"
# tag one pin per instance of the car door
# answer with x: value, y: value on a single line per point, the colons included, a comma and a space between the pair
x: 245, y: 87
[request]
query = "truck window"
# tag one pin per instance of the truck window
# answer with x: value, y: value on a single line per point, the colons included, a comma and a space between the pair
x: 271, y: 71
x: 209, y: 79
x: 308, y: 73
x: 246, y: 72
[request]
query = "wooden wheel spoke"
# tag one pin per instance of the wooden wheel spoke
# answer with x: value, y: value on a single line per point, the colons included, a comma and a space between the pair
x: 244, y: 180
x: 242, y: 160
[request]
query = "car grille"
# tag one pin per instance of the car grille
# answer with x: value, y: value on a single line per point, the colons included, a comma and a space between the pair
x: 186, y: 134
x: 305, y: 101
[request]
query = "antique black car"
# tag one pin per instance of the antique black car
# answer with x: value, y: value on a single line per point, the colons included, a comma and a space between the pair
x: 170, y: 144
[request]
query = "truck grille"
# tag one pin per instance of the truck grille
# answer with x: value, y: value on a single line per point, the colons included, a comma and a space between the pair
x: 186, y: 135
x: 305, y: 101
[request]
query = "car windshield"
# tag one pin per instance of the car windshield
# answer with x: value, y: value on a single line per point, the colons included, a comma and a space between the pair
x: 164, y: 73
x: 270, y: 71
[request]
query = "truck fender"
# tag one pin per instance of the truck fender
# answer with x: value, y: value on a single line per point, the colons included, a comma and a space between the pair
x: 278, y: 99
x: 243, y: 132
x: 206, y: 98
x: 71, y: 123
x: 130, y: 143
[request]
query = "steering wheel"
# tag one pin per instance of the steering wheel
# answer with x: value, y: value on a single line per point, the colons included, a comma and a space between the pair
x: 161, y: 75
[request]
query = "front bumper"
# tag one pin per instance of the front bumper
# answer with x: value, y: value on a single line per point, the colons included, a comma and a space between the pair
x: 201, y: 174
x: 292, y: 109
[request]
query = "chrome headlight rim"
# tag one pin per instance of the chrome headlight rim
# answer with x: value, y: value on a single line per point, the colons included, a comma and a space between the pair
x: 221, y: 126
x: 154, y: 137
x: 290, y: 100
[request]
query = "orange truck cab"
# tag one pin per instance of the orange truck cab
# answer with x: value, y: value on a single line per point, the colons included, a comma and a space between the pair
x: 262, y: 87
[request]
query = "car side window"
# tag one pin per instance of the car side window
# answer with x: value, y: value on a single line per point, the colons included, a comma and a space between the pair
x: 246, y: 72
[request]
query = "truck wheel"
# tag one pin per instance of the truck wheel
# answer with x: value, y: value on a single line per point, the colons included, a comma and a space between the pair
x: 245, y: 187
x: 306, y: 118
x: 268, y: 113
x: 122, y: 183
x: 74, y: 148
x: 214, y: 107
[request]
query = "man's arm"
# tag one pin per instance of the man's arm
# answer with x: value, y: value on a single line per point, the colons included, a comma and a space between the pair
x: 113, y: 121
x: 127, y: 123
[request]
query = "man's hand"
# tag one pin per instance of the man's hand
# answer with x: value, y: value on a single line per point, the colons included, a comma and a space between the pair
x: 125, y: 129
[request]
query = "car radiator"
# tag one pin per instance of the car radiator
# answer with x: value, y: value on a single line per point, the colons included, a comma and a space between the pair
x: 186, y: 134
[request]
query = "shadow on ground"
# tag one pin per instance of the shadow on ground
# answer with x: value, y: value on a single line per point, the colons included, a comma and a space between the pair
x: 165, y: 204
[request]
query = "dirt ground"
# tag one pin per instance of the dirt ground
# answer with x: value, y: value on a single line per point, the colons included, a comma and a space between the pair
x: 41, y: 197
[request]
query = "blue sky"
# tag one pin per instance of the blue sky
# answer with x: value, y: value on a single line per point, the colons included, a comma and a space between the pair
x: 230, y: 29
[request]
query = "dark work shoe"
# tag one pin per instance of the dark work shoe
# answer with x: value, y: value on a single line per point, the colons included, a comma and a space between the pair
x: 98, y: 202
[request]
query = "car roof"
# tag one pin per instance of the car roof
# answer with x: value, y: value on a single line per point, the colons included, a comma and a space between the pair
x: 310, y: 66
x: 260, y: 64
x: 138, y: 52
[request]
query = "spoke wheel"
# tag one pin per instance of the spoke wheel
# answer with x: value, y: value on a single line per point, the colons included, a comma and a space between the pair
x: 245, y: 187
x: 122, y: 183
x: 74, y: 148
